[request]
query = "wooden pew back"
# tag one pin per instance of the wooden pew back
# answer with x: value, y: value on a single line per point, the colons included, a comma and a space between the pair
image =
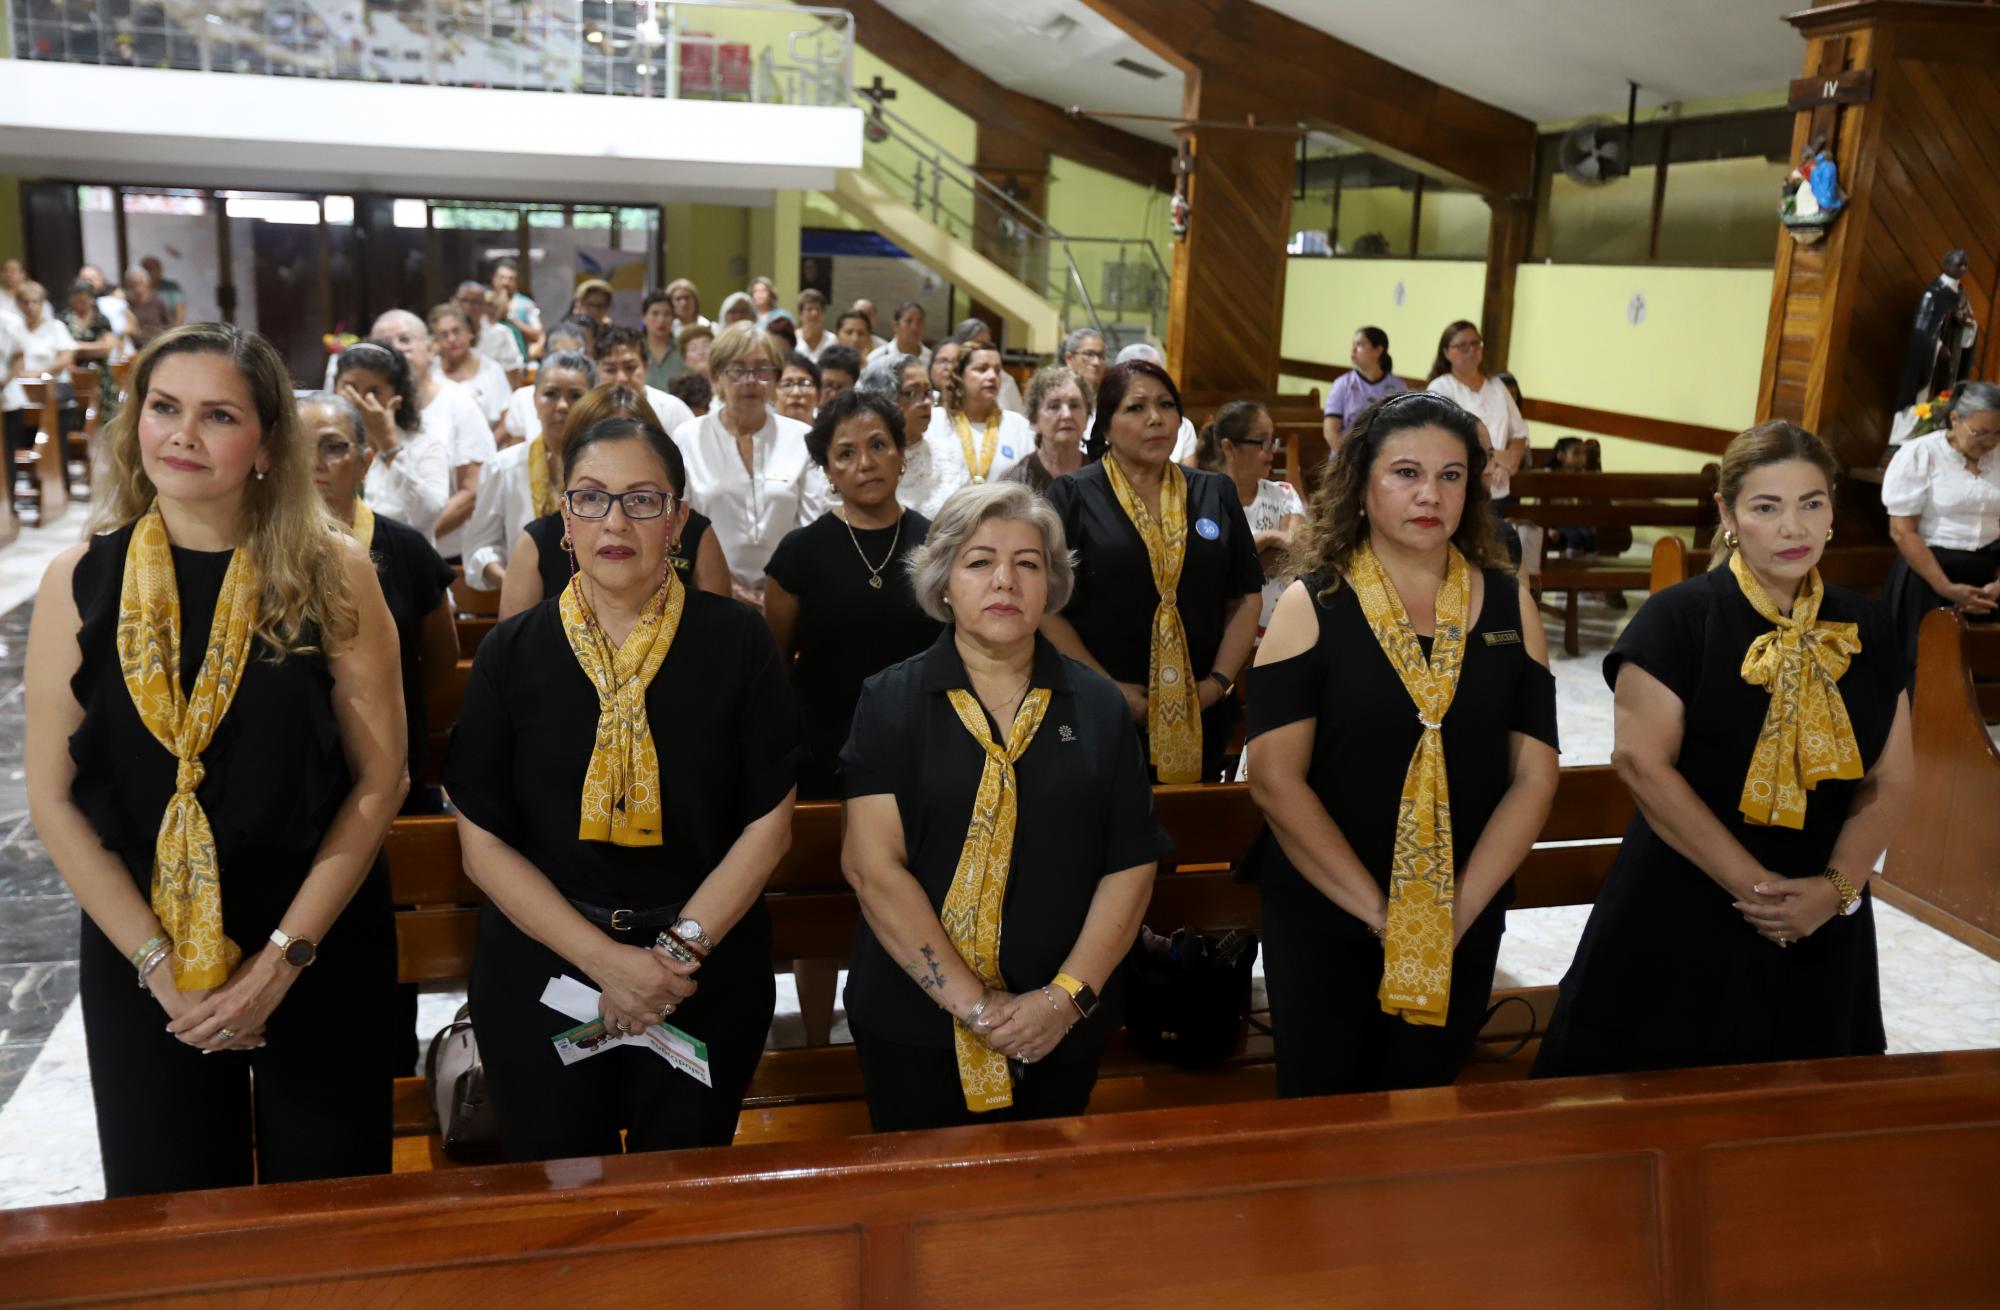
x: 1297, y: 420
x: 1611, y: 500
x: 1857, y: 568
x: 1680, y: 1188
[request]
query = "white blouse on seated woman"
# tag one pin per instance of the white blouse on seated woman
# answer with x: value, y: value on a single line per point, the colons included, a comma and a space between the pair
x: 1955, y: 508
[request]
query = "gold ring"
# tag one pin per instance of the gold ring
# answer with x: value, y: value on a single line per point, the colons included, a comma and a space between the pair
x: 226, y: 1034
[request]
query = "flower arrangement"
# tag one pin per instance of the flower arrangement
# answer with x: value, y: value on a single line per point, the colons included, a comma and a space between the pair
x: 1932, y: 415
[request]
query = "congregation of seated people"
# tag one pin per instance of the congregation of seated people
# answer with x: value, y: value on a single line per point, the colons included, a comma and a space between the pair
x: 773, y: 557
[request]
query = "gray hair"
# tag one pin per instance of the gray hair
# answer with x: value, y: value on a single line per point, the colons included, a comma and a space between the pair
x: 731, y: 301
x: 1141, y: 350
x: 1975, y: 398
x: 341, y: 408
x: 576, y: 362
x: 1074, y: 341
x: 400, y: 316
x: 885, y: 377
x: 971, y: 506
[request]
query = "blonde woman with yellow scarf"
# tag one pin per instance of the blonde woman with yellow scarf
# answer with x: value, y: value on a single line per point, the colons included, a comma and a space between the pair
x: 1402, y: 742
x: 1764, y: 731
x: 214, y: 752
x: 623, y: 769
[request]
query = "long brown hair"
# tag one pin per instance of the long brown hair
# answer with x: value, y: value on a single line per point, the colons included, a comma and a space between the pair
x: 1770, y: 442
x: 295, y: 544
x: 1442, y: 364
x: 1336, y: 524
x: 954, y: 401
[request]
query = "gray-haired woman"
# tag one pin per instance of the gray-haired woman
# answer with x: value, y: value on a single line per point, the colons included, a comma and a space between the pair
x: 991, y: 773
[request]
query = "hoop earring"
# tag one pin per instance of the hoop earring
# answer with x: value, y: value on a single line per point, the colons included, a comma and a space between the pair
x: 1730, y: 539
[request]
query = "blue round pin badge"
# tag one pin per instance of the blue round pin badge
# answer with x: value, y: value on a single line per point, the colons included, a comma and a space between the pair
x: 1006, y: 452
x: 1207, y: 528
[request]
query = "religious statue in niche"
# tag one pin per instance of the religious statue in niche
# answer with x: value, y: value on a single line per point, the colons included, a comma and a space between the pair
x: 1812, y: 198
x: 1939, y: 354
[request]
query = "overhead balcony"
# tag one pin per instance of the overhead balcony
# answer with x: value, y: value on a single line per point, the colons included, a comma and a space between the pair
x: 723, y: 102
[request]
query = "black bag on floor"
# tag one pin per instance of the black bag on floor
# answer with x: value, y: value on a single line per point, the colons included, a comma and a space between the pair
x: 1188, y: 996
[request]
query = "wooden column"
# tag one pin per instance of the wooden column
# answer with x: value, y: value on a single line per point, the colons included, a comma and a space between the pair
x: 1919, y: 156
x: 1506, y: 247
x: 1227, y: 312
x: 1018, y: 164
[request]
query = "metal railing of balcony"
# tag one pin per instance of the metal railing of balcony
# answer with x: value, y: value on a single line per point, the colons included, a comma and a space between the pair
x: 683, y: 49
x: 1132, y: 278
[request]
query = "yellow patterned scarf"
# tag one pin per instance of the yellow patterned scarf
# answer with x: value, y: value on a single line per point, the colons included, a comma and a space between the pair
x: 364, y: 524
x: 1807, y: 737
x: 971, y: 914
x: 187, y: 878
x: 621, y: 788
x: 979, y: 460
x: 541, y: 488
x: 1416, y: 943
x: 1173, y: 717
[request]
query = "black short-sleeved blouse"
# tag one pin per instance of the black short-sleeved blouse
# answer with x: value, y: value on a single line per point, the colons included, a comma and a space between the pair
x: 848, y: 631
x: 1085, y: 811
x: 1112, y: 610
x: 414, y: 579
x: 720, y: 709
x: 553, y: 561
x: 1367, y: 725
x: 1668, y: 974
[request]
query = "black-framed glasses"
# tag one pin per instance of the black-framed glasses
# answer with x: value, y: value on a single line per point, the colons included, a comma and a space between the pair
x: 590, y: 503
x: 738, y: 372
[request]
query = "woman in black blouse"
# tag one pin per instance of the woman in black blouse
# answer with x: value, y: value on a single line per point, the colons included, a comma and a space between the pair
x: 1403, y: 750
x: 623, y: 771
x: 991, y: 774
x: 543, y: 560
x: 1173, y: 621
x: 416, y: 582
x: 837, y: 594
x: 1765, y: 734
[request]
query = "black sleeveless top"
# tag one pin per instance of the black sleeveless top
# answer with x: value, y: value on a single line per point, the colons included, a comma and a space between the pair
x: 1367, y: 724
x: 276, y: 773
x: 553, y: 561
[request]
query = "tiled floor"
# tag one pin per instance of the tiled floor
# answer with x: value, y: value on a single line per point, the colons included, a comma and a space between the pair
x: 48, y: 1142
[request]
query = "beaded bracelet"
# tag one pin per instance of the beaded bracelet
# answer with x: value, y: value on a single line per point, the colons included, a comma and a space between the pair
x: 147, y: 947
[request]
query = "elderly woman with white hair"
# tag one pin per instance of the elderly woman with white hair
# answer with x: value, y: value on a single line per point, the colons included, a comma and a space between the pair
x: 991, y: 776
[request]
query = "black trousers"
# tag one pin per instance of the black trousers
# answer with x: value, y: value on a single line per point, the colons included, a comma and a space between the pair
x: 912, y: 1087
x: 1321, y: 972
x: 550, y: 1111
x: 313, y: 1103
x: 1910, y: 598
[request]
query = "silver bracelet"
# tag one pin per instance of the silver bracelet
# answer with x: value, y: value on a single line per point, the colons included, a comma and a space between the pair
x: 972, y: 1018
x: 1050, y: 997
x: 152, y: 962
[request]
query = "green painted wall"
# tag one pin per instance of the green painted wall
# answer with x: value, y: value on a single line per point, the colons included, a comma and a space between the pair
x: 1088, y: 202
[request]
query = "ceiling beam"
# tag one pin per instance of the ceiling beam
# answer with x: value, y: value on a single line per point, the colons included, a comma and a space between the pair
x: 1285, y: 71
x: 906, y: 48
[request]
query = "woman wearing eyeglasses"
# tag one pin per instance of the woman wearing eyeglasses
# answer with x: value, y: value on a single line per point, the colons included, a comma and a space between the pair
x: 748, y: 469
x: 798, y: 387
x: 623, y: 771
x: 1241, y: 442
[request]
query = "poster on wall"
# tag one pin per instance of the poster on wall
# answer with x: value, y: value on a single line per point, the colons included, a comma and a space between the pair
x: 850, y: 266
x: 625, y: 270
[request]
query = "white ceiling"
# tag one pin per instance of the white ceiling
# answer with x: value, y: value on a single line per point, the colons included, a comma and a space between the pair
x: 1547, y: 60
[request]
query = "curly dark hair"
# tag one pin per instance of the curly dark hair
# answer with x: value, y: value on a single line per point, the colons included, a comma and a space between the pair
x: 1336, y: 524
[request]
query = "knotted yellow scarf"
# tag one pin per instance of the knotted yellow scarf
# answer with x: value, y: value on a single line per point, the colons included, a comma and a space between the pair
x: 1807, y: 737
x: 1416, y: 943
x: 621, y: 788
x: 979, y: 461
x: 364, y: 524
x: 971, y: 913
x: 1173, y: 716
x: 541, y: 489
x: 187, y: 878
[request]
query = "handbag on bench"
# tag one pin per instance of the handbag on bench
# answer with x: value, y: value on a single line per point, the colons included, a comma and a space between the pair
x: 1188, y: 995
x: 455, y: 1080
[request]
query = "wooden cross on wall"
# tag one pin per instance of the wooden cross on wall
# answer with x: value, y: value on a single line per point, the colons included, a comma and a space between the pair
x: 1829, y: 87
x: 878, y: 90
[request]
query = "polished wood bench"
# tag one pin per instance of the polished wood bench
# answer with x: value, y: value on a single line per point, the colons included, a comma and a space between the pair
x: 1857, y: 568
x: 1550, y: 499
x: 476, y: 612
x: 1861, y: 1182
x: 815, y: 1091
x: 1943, y: 866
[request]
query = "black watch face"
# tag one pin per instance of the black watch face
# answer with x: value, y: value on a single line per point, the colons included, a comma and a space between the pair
x: 1086, y: 1000
x: 299, y: 953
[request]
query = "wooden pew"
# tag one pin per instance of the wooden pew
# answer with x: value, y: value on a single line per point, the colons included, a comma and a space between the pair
x: 77, y: 445
x: 1943, y: 866
x: 817, y: 1090
x: 1857, y: 568
x: 38, y: 473
x: 1862, y: 1182
x: 476, y: 611
x: 1606, y: 501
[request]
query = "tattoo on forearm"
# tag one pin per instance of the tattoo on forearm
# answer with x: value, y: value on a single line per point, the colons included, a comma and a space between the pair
x: 932, y: 981
x: 937, y: 973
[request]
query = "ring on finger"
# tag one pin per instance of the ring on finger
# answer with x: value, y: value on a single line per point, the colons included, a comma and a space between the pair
x: 226, y: 1034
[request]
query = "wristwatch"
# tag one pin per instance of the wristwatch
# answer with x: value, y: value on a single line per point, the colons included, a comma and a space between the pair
x: 1223, y: 680
x: 1080, y: 994
x: 1850, y: 900
x: 298, y: 952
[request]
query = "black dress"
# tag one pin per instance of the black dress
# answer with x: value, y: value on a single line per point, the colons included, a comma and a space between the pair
x: 721, y: 714
x: 415, y: 579
x: 1910, y: 598
x: 1668, y: 975
x: 1322, y: 966
x: 553, y: 561
x: 1112, y: 609
x: 847, y: 630
x: 168, y: 1117
x: 1085, y: 811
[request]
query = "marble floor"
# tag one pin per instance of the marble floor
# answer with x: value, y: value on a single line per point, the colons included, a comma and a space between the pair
x: 48, y: 1143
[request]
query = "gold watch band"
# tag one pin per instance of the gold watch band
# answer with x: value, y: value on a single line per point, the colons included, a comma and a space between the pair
x: 1848, y: 895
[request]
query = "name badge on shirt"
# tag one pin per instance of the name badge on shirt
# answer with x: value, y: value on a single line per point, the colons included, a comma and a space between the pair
x: 1208, y: 528
x: 1505, y: 637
